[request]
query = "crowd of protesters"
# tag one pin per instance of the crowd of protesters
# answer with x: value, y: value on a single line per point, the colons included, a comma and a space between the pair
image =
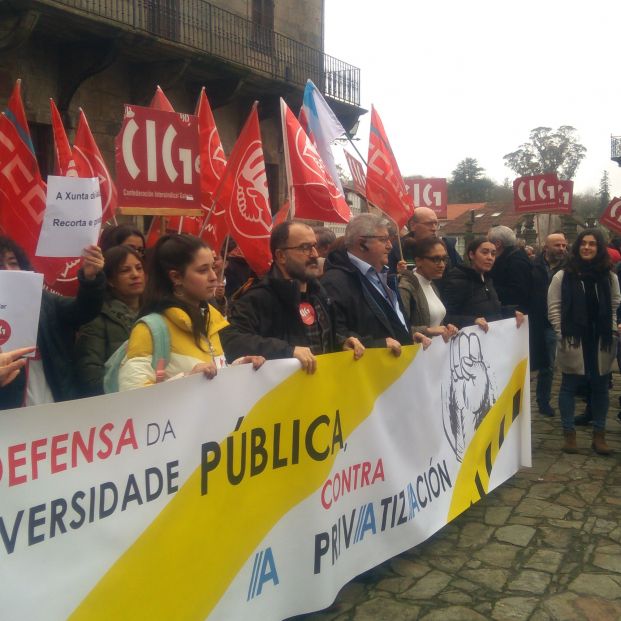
x: 143, y: 316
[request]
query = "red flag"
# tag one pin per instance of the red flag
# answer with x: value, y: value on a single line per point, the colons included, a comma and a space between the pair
x: 313, y: 193
x: 17, y: 115
x: 213, y: 165
x: 385, y: 186
x: 160, y: 101
x: 281, y: 215
x: 90, y: 163
x: 245, y: 196
x: 65, y: 164
x: 357, y: 174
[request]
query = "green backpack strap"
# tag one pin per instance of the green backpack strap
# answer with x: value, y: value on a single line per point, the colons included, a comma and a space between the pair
x: 160, y: 336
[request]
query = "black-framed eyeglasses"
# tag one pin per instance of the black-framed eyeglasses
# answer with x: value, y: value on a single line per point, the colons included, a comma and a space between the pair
x: 305, y: 248
x: 384, y: 239
x: 438, y: 260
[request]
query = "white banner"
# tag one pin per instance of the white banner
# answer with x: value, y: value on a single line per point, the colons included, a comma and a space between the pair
x: 72, y: 216
x: 256, y: 495
x: 20, y: 303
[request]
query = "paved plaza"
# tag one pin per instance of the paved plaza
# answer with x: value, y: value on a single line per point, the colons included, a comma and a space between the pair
x: 544, y: 546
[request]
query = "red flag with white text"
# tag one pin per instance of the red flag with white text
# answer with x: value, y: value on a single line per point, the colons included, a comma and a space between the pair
x: 313, y: 193
x: 245, y: 196
x: 385, y: 186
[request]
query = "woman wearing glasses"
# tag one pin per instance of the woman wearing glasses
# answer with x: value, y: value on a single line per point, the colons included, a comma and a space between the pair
x: 421, y: 299
x: 468, y: 292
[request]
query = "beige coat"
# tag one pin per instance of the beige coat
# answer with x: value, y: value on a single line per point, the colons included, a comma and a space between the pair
x: 570, y: 359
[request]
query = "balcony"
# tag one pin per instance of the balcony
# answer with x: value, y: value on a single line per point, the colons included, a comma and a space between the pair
x: 615, y: 149
x: 206, y: 29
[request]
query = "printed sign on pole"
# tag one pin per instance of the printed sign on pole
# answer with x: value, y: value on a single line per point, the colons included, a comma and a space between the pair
x: 20, y: 302
x: 72, y: 216
x: 611, y: 218
x: 432, y: 193
x: 158, y: 159
x: 536, y: 193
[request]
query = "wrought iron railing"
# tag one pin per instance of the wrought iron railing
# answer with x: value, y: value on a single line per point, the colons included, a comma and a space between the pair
x: 615, y: 148
x: 200, y: 25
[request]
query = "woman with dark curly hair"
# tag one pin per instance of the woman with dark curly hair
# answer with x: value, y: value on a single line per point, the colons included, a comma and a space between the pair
x: 582, y: 308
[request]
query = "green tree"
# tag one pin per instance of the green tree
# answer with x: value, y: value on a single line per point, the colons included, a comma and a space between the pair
x: 468, y: 183
x: 548, y: 151
x: 604, y: 192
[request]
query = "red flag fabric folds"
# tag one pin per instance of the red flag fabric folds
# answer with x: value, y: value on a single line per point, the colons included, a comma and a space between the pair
x: 385, y: 186
x: 313, y: 193
x: 246, y: 198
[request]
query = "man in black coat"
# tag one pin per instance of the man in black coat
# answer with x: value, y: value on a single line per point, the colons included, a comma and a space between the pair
x: 286, y: 314
x: 542, y: 335
x: 511, y: 273
x: 366, y: 302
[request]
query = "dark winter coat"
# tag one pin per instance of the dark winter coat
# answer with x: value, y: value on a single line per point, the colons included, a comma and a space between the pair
x: 98, y: 340
x: 360, y: 310
x: 467, y: 297
x: 265, y: 320
x: 511, y: 274
x: 538, y: 322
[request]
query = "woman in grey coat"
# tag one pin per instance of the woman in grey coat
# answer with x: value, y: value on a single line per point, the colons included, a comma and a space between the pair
x: 582, y: 308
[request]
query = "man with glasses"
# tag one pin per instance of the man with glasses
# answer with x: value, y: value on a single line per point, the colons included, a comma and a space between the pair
x: 286, y: 314
x: 365, y: 299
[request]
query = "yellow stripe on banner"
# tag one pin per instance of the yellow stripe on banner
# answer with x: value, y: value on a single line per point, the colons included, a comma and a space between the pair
x: 182, y: 564
x: 472, y: 480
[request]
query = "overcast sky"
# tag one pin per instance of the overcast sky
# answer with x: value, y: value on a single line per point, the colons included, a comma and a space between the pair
x: 454, y: 79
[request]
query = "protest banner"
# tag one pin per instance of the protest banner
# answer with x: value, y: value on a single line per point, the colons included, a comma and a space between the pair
x: 536, y: 193
x: 432, y: 193
x: 72, y: 217
x: 193, y: 499
x: 611, y: 218
x: 20, y: 303
x: 156, y: 151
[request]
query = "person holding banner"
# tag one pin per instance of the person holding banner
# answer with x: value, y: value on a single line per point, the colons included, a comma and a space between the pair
x: 287, y: 314
x: 420, y: 296
x: 582, y: 307
x: 181, y: 280
x: 99, y: 339
x: 468, y: 292
x: 50, y: 376
x: 366, y: 303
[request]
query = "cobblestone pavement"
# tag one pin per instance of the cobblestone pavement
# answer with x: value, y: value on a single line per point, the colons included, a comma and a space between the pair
x: 544, y: 546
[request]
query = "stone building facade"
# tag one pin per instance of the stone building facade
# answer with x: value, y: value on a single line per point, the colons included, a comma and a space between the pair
x: 101, y: 54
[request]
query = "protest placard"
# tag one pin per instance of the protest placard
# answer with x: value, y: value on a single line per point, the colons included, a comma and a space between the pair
x: 72, y: 216
x: 20, y: 302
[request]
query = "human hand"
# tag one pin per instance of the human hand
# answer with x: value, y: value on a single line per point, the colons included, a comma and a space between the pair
x: 92, y: 262
x: 306, y: 358
x: 519, y: 319
x: 480, y: 321
x: 354, y: 344
x: 11, y: 362
x: 256, y: 361
x: 208, y: 369
x: 402, y: 267
x: 394, y: 346
x: 419, y: 337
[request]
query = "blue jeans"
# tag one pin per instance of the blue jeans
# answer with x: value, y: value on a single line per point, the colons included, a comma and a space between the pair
x: 545, y: 375
x: 598, y: 385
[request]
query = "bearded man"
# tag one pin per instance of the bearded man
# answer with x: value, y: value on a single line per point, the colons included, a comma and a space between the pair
x: 286, y: 314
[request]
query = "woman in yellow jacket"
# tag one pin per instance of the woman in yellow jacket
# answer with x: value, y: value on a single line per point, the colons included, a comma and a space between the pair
x: 181, y: 281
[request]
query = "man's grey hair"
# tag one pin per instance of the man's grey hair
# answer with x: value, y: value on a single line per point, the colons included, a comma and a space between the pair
x: 362, y: 225
x: 502, y: 234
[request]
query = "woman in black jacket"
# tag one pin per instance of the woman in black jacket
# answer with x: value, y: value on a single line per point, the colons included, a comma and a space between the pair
x: 468, y: 292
